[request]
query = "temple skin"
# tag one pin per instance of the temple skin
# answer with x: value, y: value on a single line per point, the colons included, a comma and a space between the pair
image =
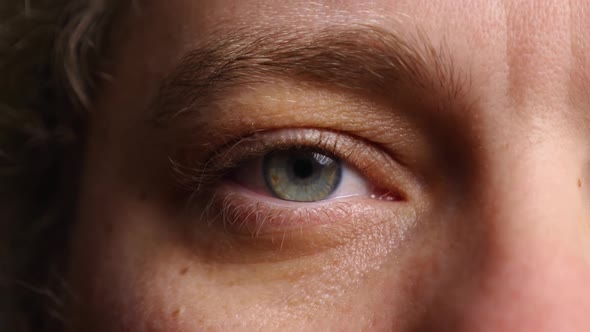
x: 494, y: 230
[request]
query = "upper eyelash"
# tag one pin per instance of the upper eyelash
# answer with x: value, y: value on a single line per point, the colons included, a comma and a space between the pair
x: 194, y: 175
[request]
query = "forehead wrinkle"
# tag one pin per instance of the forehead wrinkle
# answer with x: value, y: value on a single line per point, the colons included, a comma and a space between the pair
x: 361, y: 58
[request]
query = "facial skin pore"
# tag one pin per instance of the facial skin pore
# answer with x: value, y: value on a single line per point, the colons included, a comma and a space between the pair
x: 469, y: 120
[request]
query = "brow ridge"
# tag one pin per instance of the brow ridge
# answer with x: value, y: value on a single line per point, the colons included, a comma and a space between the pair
x: 359, y: 58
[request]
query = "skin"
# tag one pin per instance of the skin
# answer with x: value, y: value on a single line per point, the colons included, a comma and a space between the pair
x: 493, y: 233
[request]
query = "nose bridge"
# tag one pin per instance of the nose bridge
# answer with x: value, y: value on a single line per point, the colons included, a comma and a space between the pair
x: 534, y: 179
x: 527, y: 266
x: 535, y: 275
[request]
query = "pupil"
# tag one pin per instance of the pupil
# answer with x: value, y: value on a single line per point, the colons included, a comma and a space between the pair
x: 302, y: 168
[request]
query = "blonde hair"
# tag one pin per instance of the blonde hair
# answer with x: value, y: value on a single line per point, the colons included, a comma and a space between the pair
x: 50, y: 58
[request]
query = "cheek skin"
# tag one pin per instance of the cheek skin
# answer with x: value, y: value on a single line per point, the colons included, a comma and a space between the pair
x: 136, y: 275
x: 134, y: 268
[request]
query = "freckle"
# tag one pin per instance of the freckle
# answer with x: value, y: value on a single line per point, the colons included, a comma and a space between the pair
x: 579, y: 183
x: 177, y: 312
x: 184, y: 271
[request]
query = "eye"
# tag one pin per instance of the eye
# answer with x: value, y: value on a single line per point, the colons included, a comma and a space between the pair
x: 302, y: 175
x: 272, y: 181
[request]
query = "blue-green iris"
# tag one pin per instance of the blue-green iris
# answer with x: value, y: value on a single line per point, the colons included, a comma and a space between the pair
x: 301, y: 175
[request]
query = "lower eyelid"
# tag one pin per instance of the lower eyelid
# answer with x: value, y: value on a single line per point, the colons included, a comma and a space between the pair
x: 249, y: 212
x: 240, y: 229
x: 239, y: 210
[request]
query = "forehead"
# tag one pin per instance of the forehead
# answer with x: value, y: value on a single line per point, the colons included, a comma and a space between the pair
x: 478, y: 21
x: 515, y: 52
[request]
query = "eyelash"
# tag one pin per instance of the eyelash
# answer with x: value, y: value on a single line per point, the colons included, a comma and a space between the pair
x: 243, y: 214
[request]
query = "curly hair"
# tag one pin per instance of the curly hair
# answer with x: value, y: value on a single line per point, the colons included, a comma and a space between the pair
x: 51, y: 53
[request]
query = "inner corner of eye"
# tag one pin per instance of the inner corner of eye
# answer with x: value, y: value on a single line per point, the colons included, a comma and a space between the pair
x: 385, y: 195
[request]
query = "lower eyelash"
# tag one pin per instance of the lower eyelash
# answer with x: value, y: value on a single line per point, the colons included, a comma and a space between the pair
x: 237, y: 213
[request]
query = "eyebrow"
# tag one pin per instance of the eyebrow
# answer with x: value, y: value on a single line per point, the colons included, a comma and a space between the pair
x: 361, y: 58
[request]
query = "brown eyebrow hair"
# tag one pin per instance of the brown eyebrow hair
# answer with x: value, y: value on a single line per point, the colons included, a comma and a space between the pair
x: 360, y: 58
